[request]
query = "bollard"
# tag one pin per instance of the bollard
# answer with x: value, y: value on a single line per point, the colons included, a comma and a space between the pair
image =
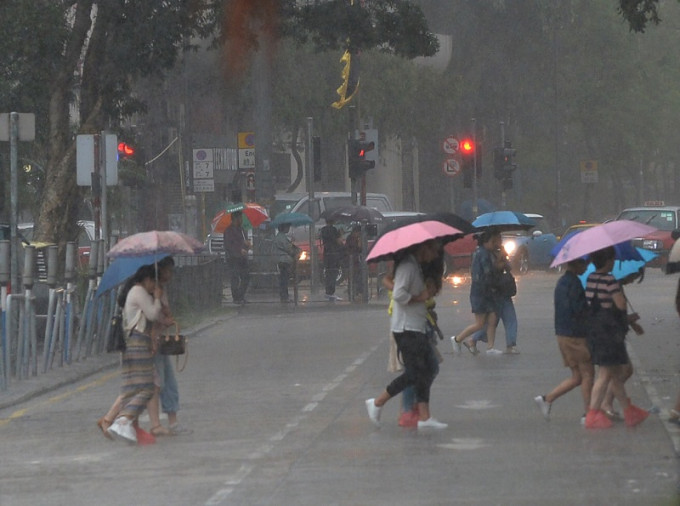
x: 69, y: 275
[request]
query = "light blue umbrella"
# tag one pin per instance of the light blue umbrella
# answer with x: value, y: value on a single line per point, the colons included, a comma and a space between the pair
x: 504, y: 221
x: 293, y: 219
x: 623, y: 268
x: 124, y: 267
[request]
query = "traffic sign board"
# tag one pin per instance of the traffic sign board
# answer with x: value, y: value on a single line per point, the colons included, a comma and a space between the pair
x: 450, y: 145
x: 451, y: 167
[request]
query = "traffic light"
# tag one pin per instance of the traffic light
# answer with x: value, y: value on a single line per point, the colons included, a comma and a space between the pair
x: 504, y: 164
x: 358, y: 164
x: 468, y: 152
x: 125, y: 151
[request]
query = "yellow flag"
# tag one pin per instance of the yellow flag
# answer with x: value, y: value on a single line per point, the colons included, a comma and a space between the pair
x: 350, y: 79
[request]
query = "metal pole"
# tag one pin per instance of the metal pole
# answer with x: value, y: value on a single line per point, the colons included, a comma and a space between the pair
x: 14, y: 198
x: 313, y: 253
x: 474, y: 170
x: 103, y: 149
x: 504, y: 202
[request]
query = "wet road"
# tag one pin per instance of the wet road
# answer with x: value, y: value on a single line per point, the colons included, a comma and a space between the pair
x: 276, y: 401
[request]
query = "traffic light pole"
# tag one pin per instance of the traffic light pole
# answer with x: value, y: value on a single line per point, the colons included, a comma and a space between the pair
x: 475, y: 210
x: 503, y: 194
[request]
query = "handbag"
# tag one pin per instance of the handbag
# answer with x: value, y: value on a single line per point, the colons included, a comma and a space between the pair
x: 502, y: 284
x: 172, y: 344
x: 116, y: 337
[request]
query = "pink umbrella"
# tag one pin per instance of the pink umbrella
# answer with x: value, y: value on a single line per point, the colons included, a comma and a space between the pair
x: 599, y: 237
x: 402, y: 238
x: 145, y: 243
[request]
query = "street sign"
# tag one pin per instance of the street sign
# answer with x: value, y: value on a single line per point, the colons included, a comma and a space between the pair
x: 246, y: 150
x: 589, y: 173
x: 26, y: 126
x: 451, y: 167
x: 204, y: 185
x: 450, y: 145
x: 85, y: 162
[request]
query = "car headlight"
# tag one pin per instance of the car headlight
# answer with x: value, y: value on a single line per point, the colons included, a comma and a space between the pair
x: 652, y: 244
x: 304, y: 256
x: 510, y: 247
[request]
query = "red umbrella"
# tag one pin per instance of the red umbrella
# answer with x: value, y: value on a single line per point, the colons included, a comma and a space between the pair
x: 254, y: 216
x: 402, y: 238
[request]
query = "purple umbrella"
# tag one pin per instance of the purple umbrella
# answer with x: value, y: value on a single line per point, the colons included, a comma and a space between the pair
x: 599, y: 237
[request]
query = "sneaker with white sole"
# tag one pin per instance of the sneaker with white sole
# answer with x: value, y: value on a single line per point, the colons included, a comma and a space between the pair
x: 431, y: 423
x: 456, y: 345
x: 494, y: 351
x: 543, y: 405
x: 123, y: 430
x: 373, y: 411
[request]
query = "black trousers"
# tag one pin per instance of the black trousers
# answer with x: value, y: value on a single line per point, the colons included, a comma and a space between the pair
x: 416, y: 354
x: 240, y: 277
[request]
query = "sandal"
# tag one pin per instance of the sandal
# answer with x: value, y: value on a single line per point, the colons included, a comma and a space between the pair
x: 613, y: 415
x: 471, y: 348
x: 104, y: 424
x: 159, y: 430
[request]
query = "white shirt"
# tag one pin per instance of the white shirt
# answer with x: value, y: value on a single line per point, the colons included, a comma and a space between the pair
x: 140, y: 308
x: 408, y: 283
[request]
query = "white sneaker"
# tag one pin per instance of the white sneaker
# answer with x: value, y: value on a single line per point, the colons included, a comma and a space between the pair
x: 373, y: 411
x: 431, y: 423
x: 456, y: 345
x: 543, y: 405
x: 494, y: 351
x: 122, y: 429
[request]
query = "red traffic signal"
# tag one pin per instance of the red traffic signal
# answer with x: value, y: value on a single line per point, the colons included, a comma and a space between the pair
x: 467, y: 147
x: 125, y: 150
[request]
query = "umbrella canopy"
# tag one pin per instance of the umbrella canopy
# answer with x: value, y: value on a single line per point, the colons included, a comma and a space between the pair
x: 294, y: 219
x: 504, y: 221
x: 254, y: 215
x: 624, y: 251
x: 400, y: 239
x: 623, y: 268
x: 599, y: 237
x: 348, y: 214
x: 124, y: 267
x: 155, y: 242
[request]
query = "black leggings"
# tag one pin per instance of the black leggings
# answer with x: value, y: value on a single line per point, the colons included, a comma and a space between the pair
x: 415, y: 351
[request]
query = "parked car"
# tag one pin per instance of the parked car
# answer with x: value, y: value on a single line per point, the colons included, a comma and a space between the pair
x: 665, y: 218
x: 530, y: 249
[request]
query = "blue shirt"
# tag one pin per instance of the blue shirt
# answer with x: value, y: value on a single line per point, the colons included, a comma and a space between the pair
x: 570, y: 304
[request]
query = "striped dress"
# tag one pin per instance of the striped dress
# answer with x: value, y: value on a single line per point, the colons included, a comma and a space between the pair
x: 606, y: 332
x: 137, y: 372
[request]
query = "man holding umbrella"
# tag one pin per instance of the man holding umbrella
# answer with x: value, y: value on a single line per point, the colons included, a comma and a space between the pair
x: 236, y: 248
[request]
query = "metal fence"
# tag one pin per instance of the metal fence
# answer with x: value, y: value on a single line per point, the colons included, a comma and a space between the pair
x: 76, y: 325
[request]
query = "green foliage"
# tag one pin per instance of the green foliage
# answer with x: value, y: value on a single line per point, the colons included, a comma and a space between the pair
x: 396, y: 26
x: 639, y: 12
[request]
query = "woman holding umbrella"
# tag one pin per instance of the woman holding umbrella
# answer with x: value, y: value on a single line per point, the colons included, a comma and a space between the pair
x: 606, y: 339
x: 408, y: 325
x: 481, y: 297
x: 141, y: 307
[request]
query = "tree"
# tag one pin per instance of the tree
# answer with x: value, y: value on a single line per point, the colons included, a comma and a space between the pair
x: 93, y: 54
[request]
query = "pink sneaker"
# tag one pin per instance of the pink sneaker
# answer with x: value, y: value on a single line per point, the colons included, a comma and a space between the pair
x: 409, y: 419
x: 634, y: 415
x: 596, y: 419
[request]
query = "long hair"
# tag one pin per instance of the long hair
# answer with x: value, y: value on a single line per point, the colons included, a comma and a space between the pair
x: 144, y: 272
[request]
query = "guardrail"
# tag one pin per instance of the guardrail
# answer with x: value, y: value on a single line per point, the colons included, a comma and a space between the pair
x: 71, y: 333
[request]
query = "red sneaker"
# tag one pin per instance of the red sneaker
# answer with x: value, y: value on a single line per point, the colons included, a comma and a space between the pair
x: 634, y: 415
x: 409, y: 419
x: 144, y: 437
x: 596, y: 419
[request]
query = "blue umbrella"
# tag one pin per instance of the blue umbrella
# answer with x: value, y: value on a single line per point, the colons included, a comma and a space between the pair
x: 293, y: 219
x: 124, y: 267
x: 623, y: 268
x: 504, y: 220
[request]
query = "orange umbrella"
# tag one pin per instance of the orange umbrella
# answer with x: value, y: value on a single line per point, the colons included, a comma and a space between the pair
x: 253, y: 216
